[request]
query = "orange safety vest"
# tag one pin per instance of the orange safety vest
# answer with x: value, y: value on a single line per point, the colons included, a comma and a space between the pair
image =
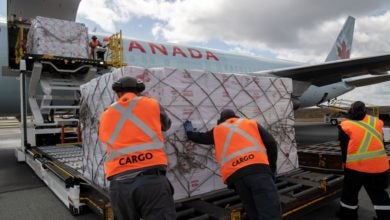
x: 366, y: 152
x: 237, y: 145
x: 131, y: 129
x: 93, y: 44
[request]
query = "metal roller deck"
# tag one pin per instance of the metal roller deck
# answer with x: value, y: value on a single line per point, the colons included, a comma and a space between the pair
x: 300, y: 191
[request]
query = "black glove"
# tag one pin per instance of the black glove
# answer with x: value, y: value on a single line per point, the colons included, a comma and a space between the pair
x: 188, y: 126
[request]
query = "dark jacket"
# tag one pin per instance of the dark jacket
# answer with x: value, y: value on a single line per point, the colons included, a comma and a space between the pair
x: 165, y: 120
x: 269, y: 142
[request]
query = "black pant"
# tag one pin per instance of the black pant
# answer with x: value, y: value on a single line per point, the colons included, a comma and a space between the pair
x: 375, y: 185
x: 259, y: 196
x: 148, y: 197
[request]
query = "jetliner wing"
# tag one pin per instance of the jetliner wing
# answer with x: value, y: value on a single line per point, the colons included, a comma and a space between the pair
x: 335, y: 71
x: 367, y: 81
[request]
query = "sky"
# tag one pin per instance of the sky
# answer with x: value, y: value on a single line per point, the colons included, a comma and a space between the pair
x: 298, y: 30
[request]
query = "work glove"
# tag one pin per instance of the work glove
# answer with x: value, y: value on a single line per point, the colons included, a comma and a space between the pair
x: 188, y: 126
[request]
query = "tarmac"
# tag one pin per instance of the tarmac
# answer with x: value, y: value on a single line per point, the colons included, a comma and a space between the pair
x: 24, y: 196
x: 318, y: 132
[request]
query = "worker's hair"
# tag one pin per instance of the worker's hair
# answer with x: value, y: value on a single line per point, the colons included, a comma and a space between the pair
x: 226, y: 114
x: 94, y: 37
x: 357, y: 111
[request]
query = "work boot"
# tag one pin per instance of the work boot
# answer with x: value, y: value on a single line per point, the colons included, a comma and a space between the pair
x: 347, y: 214
x: 382, y: 215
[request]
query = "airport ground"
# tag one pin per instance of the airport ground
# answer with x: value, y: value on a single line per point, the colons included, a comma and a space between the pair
x: 24, y: 196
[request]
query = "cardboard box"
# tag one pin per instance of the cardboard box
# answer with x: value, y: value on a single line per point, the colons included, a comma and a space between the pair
x: 57, y: 37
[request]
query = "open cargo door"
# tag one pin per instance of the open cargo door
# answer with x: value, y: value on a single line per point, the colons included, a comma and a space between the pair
x: 60, y: 9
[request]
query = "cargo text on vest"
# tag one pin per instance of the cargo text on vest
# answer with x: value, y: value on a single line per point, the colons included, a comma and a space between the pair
x: 243, y: 159
x: 135, y: 158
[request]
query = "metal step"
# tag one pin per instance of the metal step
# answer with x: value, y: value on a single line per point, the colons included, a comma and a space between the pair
x: 59, y: 107
x: 65, y: 88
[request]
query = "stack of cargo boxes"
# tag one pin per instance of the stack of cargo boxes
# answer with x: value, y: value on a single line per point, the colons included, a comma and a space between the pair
x: 57, y: 37
x: 197, y: 96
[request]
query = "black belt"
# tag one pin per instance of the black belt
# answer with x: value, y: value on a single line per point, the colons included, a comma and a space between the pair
x: 155, y: 171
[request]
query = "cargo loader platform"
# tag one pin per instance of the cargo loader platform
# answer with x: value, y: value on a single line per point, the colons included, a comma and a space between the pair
x: 60, y: 168
x: 51, y: 139
x: 300, y: 190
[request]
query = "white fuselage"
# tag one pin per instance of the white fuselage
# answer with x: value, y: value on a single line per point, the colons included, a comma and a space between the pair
x: 152, y: 54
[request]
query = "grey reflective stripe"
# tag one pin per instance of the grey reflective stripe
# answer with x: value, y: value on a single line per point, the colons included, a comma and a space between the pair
x: 366, y: 156
x: 365, y: 143
x: 369, y: 129
x: 233, y: 128
x: 133, y: 149
x: 367, y: 136
x: 348, y: 206
x: 363, y: 153
x: 238, y: 153
x: 382, y: 207
x: 126, y: 114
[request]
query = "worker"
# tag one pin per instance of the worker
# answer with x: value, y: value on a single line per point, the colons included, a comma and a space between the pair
x: 93, y: 44
x: 136, y: 161
x: 102, y: 48
x: 365, y: 163
x: 247, y: 156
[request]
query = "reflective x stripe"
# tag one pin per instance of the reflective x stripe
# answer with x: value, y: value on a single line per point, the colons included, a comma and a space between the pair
x: 367, y: 136
x: 382, y: 207
x: 233, y: 128
x: 126, y: 114
x: 348, y: 206
x: 363, y: 153
x: 369, y: 128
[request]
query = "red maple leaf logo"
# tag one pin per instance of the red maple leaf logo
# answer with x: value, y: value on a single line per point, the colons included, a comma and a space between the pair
x: 343, y: 51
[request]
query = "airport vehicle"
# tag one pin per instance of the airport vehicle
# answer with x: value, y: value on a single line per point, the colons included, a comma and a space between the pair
x: 336, y: 109
x: 55, y: 125
x: 313, y: 84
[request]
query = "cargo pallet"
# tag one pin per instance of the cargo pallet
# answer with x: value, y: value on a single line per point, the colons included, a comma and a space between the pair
x: 324, y: 157
x: 300, y: 190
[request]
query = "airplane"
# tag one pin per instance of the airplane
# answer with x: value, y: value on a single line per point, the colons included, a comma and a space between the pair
x: 312, y: 84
